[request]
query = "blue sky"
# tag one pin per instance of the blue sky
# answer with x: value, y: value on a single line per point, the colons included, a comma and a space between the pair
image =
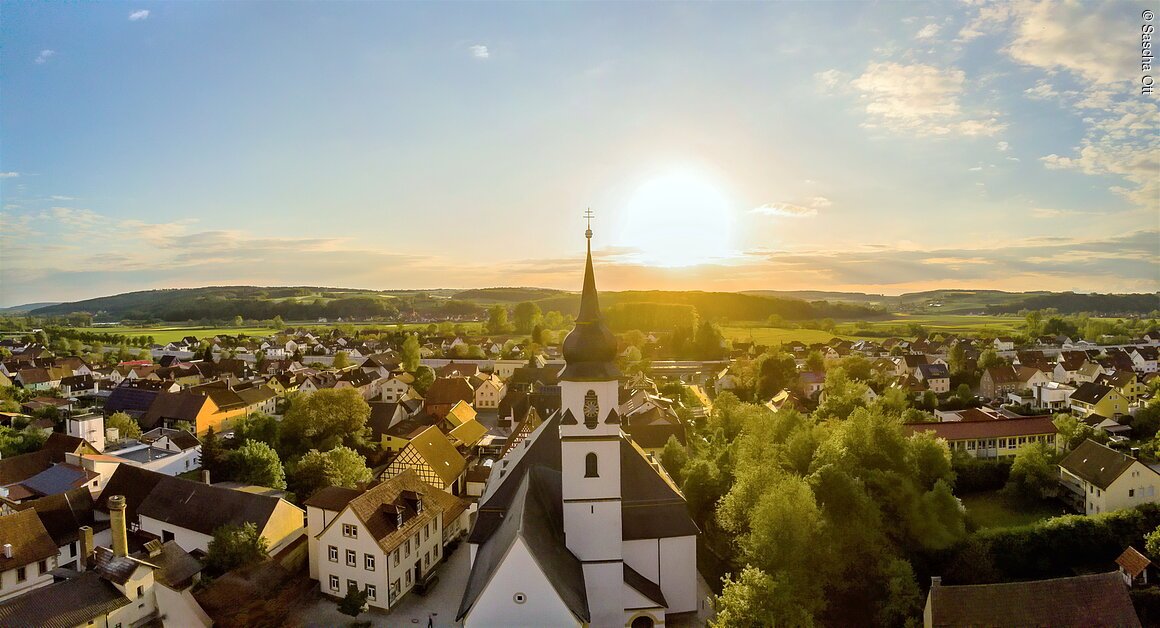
x: 846, y: 146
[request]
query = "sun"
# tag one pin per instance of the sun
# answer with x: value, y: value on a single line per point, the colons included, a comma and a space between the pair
x: 681, y: 218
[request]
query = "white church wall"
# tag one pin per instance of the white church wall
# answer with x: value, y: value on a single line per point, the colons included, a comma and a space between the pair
x: 583, y: 523
x: 678, y: 571
x: 518, y: 578
x: 643, y: 555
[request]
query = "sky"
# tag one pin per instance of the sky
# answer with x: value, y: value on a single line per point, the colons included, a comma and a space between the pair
x: 875, y: 147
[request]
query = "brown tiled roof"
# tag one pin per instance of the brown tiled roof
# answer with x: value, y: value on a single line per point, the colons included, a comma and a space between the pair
x: 177, y: 406
x: 1097, y: 463
x: 1092, y: 600
x: 994, y: 428
x: 63, y: 514
x: 1133, y: 562
x: 333, y: 498
x: 73, y: 602
x: 1003, y: 375
x: 30, y: 541
x: 376, y: 508
x: 448, y: 390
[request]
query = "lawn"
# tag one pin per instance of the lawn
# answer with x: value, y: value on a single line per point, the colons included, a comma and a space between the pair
x: 993, y: 510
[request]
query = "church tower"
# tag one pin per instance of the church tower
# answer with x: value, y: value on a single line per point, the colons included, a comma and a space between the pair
x: 590, y: 454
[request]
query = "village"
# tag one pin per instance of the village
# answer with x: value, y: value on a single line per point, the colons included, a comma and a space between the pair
x: 167, y: 489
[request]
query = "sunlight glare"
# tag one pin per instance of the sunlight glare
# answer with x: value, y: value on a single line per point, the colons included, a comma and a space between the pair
x: 679, y: 219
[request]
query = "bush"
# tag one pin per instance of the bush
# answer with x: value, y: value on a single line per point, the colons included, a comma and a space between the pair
x: 973, y: 475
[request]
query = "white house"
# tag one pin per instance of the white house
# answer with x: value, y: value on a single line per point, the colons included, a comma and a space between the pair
x: 1099, y: 479
x: 382, y: 541
x: 27, y: 555
x: 489, y: 393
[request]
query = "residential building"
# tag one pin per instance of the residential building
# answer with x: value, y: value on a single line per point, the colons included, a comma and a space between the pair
x: 432, y: 456
x: 27, y: 554
x: 1099, y: 479
x: 1092, y: 399
x: 382, y: 541
x: 991, y: 438
x: 936, y: 376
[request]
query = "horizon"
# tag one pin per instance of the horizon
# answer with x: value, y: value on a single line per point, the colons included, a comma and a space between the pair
x: 723, y: 149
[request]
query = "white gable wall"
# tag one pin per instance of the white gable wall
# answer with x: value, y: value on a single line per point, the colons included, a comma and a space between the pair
x: 678, y: 569
x: 519, y: 573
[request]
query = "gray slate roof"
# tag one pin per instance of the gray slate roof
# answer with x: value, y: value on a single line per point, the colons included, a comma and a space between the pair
x: 65, y: 604
x: 1096, y: 463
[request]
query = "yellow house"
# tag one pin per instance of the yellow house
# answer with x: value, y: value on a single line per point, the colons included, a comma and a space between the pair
x: 1092, y: 398
x: 197, y: 409
x: 1127, y: 383
x: 460, y: 413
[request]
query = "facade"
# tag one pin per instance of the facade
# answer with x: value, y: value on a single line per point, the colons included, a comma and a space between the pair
x: 27, y: 556
x: 1092, y: 399
x: 383, y: 541
x: 1097, y: 478
x: 576, y: 526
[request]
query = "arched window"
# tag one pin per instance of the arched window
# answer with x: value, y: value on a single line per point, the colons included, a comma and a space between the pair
x: 591, y: 410
x: 644, y: 621
x: 590, y: 466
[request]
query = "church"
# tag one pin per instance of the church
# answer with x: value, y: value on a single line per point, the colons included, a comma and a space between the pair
x: 577, y: 526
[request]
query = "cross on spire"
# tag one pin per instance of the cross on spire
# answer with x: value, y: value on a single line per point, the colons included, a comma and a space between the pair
x: 588, y: 215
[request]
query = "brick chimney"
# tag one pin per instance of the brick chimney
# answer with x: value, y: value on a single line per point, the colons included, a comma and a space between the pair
x: 118, y: 527
x: 87, y: 548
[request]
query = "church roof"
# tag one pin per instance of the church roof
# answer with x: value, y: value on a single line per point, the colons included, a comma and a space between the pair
x: 535, y: 516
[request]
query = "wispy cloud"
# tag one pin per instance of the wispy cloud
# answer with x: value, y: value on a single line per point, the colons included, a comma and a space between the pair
x: 832, y: 78
x: 1003, y: 147
x: 920, y: 99
x: 801, y: 209
x: 45, y: 55
x: 137, y: 16
x: 9, y: 175
x: 927, y: 32
x: 479, y: 51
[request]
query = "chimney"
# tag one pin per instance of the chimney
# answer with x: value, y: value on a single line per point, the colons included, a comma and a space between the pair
x: 117, y: 523
x: 87, y: 548
x: 1135, y: 452
x: 7, y: 550
x: 935, y: 581
x: 205, y: 476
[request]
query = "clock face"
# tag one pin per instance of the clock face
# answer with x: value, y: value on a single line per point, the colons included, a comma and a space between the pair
x: 591, y: 409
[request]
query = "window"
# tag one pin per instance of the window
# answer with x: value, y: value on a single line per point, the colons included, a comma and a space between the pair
x: 351, y: 558
x: 406, y: 548
x: 42, y: 566
x: 426, y: 560
x: 72, y: 549
x: 408, y: 577
x: 350, y: 530
x: 21, y: 574
x: 396, y: 557
x: 351, y: 584
x: 140, y: 591
x: 167, y: 536
x: 372, y: 592
x: 1131, y: 492
x: 334, y: 583
x: 332, y: 553
x: 369, y: 562
x: 436, y: 550
x: 1002, y: 442
x: 590, y: 466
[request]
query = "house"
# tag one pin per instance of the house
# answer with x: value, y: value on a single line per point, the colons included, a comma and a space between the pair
x: 188, y: 512
x: 1144, y: 358
x: 433, y: 458
x: 63, y: 515
x: 991, y: 438
x: 382, y: 541
x: 786, y: 398
x: 41, y: 378
x: 444, y: 393
x: 27, y: 556
x: 133, y: 397
x: 116, y: 588
x: 936, y: 376
x: 1067, y: 365
x: 1029, y: 377
x: 812, y: 382
x: 78, y: 385
x: 1004, y: 343
x: 1099, y: 479
x: 489, y: 393
x: 1052, y: 395
x: 1075, y: 602
x: 1127, y: 383
x: 997, y: 381
x: 196, y: 408
x: 1091, y: 398
x: 90, y: 427
x: 576, y: 526
x: 1133, y: 566
x: 396, y: 387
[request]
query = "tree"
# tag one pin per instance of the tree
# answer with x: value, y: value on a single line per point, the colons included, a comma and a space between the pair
x: 674, y: 457
x: 709, y: 343
x: 989, y: 358
x: 257, y: 463
x: 324, y: 420
x: 775, y: 370
x: 238, y: 321
x: 214, y: 456
x: 340, y: 466
x: 424, y: 377
x: 411, y: 353
x: 497, y: 320
x: 341, y: 360
x: 1072, y: 431
x: 126, y: 425
x: 1034, y: 474
x: 757, y: 599
x: 815, y: 362
x: 526, y: 316
x: 1152, y: 542
x: 278, y: 323
x: 353, y: 603
x: 258, y: 427
x: 1146, y: 423
x: 235, y: 546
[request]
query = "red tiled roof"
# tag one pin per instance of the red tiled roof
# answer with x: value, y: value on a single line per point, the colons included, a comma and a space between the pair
x: 998, y: 428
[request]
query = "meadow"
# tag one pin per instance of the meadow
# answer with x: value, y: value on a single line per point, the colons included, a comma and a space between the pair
x: 163, y: 334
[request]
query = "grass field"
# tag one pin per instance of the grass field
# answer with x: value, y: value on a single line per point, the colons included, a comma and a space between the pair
x: 170, y: 333
x: 777, y: 335
x: 992, y: 510
x: 957, y: 323
x: 947, y: 323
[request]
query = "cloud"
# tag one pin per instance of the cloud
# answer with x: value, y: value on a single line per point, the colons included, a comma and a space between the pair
x: 9, y: 175
x: 45, y: 55
x: 927, y: 32
x: 832, y: 78
x: 808, y: 207
x: 920, y: 99
x: 1076, y: 37
x: 1003, y: 147
x: 479, y: 51
x: 137, y: 16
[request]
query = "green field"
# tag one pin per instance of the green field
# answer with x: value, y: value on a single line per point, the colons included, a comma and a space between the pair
x: 777, y: 335
x: 170, y: 333
x: 896, y: 325
x: 992, y: 510
x: 955, y: 323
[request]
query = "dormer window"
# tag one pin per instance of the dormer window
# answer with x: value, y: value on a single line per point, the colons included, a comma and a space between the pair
x: 399, y: 519
x: 418, y: 505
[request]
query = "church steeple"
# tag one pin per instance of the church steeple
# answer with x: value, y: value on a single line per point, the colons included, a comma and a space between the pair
x: 590, y: 348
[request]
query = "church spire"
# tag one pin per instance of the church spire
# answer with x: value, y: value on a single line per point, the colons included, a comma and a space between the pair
x: 590, y: 348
